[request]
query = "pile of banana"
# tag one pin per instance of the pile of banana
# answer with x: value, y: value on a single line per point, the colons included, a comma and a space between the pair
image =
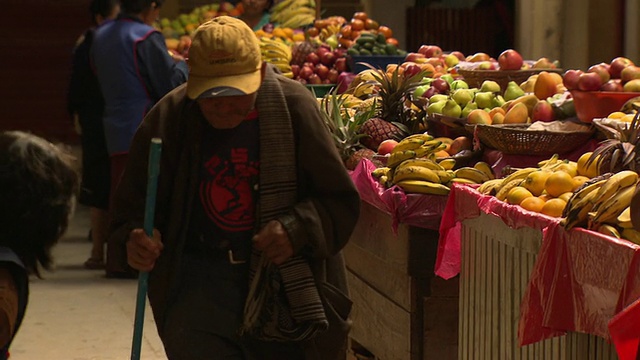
x: 412, y: 166
x: 295, y: 14
x: 278, y: 53
x: 329, y: 30
x: 602, y: 204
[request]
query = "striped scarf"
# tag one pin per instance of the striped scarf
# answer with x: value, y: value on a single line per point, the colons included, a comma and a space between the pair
x: 283, y: 302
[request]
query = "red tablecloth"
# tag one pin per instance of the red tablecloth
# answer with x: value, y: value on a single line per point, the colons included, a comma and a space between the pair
x: 580, y: 280
x: 411, y: 209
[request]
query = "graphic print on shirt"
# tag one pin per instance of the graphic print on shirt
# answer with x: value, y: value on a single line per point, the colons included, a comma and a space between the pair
x: 226, y: 190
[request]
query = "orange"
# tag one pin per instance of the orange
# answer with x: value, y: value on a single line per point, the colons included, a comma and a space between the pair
x: 570, y: 167
x: 545, y: 196
x: 579, y: 181
x: 535, y: 182
x: 533, y: 203
x: 558, y: 182
x: 590, y: 171
x: 566, y: 196
x: 517, y: 194
x: 553, y: 207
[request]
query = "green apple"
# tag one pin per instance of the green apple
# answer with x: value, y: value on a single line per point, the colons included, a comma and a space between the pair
x: 417, y: 93
x: 459, y: 84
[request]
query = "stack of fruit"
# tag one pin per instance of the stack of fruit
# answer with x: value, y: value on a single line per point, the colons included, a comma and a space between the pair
x: 185, y: 24
x: 414, y: 166
x: 278, y: 53
x: 364, y: 36
x: 294, y: 13
x: 321, y: 66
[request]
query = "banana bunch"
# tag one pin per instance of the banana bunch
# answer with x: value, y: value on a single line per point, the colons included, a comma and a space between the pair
x: 277, y: 53
x: 329, y: 30
x: 294, y: 13
x: 478, y: 174
x: 602, y: 201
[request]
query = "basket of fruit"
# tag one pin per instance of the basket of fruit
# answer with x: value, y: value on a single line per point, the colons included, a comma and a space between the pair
x: 475, y: 77
x: 591, y: 105
x: 523, y: 139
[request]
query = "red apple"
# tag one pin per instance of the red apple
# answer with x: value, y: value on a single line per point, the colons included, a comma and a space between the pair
x: 332, y: 76
x: 340, y: 64
x: 602, y: 70
x: 629, y: 73
x: 323, y: 49
x: 459, y: 55
x: 295, y: 69
x: 542, y: 111
x: 344, y: 80
x: 386, y: 146
x: 589, y: 81
x: 322, y: 71
x: 612, y: 85
x: 429, y: 92
x: 302, y: 81
x: 413, y: 56
x: 305, y: 72
x: 430, y: 51
x: 411, y: 70
x: 313, y: 58
x: 314, y: 79
x: 570, y: 78
x: 510, y: 60
x: 486, y: 65
x: 617, y: 64
x: 441, y: 85
x: 328, y: 58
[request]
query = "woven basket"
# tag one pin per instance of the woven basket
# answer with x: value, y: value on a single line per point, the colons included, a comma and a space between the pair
x: 439, y: 125
x: 475, y: 77
x: 516, y: 139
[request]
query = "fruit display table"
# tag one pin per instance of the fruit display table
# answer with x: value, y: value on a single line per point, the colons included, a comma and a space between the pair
x: 401, y: 310
x: 528, y: 288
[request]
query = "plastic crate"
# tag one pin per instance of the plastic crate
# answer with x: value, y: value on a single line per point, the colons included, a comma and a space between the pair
x: 377, y: 61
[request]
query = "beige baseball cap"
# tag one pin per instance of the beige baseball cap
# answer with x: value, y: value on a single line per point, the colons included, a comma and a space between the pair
x: 224, y: 59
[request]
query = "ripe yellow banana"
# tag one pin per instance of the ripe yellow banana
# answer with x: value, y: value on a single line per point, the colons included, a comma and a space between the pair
x: 447, y: 163
x: 550, y: 161
x: 624, y: 219
x: 398, y: 157
x: 378, y: 172
x: 473, y: 174
x: 485, y: 168
x: 408, y: 144
x: 578, y: 214
x: 519, y: 174
x: 429, y: 148
x: 609, y: 230
x: 425, y: 137
x: 613, y: 206
x: 445, y: 175
x: 423, y: 187
x: 632, y: 235
x: 415, y: 173
x: 501, y: 194
x: 613, y: 184
x: 461, y: 180
x: 577, y: 196
x: 427, y: 163
x: 490, y: 187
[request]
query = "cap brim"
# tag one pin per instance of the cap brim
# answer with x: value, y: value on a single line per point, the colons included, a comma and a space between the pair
x: 245, y: 83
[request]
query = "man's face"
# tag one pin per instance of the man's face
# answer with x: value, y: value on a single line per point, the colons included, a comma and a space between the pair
x: 227, y: 112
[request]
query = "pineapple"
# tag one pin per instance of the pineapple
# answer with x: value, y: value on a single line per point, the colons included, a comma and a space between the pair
x: 620, y: 153
x: 393, y: 120
x: 299, y: 52
x: 343, y: 123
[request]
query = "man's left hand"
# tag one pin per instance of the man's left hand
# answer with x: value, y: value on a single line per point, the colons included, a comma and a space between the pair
x: 274, y: 242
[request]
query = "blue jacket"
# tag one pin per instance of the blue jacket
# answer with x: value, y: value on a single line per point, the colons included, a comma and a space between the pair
x: 134, y: 70
x: 9, y: 260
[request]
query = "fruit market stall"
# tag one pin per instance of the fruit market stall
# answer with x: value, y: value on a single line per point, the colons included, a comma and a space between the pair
x: 524, y: 280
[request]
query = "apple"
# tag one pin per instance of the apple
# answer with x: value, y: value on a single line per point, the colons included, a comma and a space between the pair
x: 430, y: 51
x: 486, y: 65
x: 413, y: 57
x: 589, y: 81
x: 479, y: 116
x: 386, y: 146
x: 510, y: 60
x: 570, y: 78
x: 328, y: 58
x: 602, y: 70
x: 419, y: 91
x: 411, y: 70
x: 313, y: 58
x: 322, y: 50
x: 543, y: 63
x: 542, y: 111
x: 430, y: 92
x: 344, y: 80
x: 306, y: 72
x: 629, y: 73
x: 451, y: 60
x: 302, y: 81
x: 322, y: 71
x: 340, y: 64
x: 295, y: 69
x: 632, y: 86
x: 459, y: 55
x: 612, y: 85
x: 332, y: 76
x: 441, y: 85
x: 617, y: 65
x: 314, y: 79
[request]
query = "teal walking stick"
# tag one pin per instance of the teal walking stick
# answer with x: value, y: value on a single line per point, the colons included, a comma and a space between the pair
x: 155, y: 151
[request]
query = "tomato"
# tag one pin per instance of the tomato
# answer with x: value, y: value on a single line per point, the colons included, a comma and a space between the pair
x: 371, y: 24
x: 357, y: 24
x: 386, y: 31
x: 313, y: 31
x: 361, y: 15
x: 392, y: 41
x: 345, y: 31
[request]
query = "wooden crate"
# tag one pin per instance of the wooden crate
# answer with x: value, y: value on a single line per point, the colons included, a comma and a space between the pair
x: 391, y: 279
x: 495, y: 269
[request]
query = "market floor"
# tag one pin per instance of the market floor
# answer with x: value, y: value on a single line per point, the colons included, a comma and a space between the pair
x: 79, y: 314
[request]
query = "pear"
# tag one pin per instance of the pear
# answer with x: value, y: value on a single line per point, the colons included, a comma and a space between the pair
x: 436, y: 107
x: 451, y: 109
x: 498, y: 101
x: 513, y: 91
x: 447, y: 77
x: 459, y: 84
x: 469, y: 107
x: 490, y: 86
x: 462, y: 96
x: 437, y: 98
x: 484, y: 99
